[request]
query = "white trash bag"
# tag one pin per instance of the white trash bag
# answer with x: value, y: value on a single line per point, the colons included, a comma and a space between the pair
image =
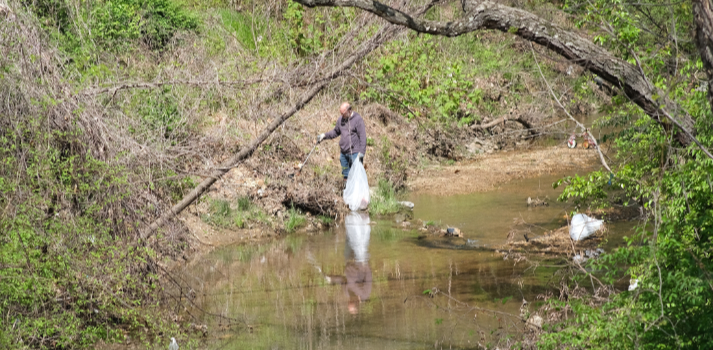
x: 583, y: 226
x: 356, y: 195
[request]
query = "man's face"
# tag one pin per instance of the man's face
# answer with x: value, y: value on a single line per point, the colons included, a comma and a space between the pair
x: 344, y: 112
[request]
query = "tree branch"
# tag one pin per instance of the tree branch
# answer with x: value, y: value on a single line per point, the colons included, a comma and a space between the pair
x: 490, y: 15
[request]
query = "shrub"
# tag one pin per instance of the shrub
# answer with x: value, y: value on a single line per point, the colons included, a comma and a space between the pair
x: 394, y: 164
x: 66, y: 243
x: 315, y: 34
x: 111, y: 24
x: 421, y: 83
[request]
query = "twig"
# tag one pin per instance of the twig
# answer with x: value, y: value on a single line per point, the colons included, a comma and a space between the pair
x: 584, y: 128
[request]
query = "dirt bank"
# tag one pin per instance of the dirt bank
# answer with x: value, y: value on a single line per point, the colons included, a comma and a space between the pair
x: 485, y: 172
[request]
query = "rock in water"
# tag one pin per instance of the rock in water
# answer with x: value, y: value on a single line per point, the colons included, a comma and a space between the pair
x: 454, y: 231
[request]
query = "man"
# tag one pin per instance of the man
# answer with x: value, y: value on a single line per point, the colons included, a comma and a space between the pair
x: 352, y: 143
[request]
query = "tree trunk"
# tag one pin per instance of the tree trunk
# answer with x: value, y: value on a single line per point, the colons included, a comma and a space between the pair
x: 703, y: 14
x: 490, y: 15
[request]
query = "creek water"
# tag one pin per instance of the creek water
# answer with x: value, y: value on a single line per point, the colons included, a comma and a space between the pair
x: 370, y: 283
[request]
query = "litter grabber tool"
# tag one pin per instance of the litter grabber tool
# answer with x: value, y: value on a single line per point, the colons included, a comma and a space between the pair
x: 306, y: 159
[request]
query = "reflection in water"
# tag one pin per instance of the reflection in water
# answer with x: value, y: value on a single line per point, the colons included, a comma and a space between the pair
x: 356, y: 256
x: 370, y: 286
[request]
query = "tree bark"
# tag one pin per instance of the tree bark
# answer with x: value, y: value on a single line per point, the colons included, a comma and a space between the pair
x: 490, y: 15
x: 703, y: 15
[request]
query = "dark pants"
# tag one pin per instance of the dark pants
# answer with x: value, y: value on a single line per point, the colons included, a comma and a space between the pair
x: 347, y: 160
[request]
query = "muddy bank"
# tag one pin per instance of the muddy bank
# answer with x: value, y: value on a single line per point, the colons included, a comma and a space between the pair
x: 485, y: 172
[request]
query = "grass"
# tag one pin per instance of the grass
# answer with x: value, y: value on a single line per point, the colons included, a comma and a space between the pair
x: 384, y: 200
x: 222, y: 214
x: 295, y: 220
x: 430, y: 223
x: 256, y: 33
x: 244, y: 203
x: 325, y: 220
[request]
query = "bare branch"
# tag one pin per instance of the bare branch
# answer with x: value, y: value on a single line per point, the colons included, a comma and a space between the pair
x: 584, y: 128
x: 144, y: 85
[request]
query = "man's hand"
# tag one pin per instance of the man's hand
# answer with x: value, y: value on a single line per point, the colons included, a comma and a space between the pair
x: 361, y: 157
x: 320, y: 137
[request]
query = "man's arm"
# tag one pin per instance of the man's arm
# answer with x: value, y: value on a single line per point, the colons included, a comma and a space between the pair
x: 334, y: 132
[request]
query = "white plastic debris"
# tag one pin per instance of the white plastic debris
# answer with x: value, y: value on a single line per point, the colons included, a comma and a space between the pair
x: 579, y: 259
x: 356, y: 195
x: 582, y: 226
x: 633, y: 284
x: 407, y: 204
x: 535, y: 322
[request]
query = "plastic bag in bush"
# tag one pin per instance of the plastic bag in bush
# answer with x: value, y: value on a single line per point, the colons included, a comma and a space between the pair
x: 356, y: 195
x: 583, y: 226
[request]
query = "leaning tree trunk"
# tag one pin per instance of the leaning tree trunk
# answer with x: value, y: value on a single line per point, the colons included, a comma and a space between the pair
x: 490, y: 15
x: 374, y: 42
x: 369, y: 46
x: 703, y: 14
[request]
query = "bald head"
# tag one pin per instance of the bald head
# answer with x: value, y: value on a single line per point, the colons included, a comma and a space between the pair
x: 345, y: 110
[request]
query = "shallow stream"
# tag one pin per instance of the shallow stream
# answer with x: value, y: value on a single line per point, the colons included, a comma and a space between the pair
x: 370, y: 283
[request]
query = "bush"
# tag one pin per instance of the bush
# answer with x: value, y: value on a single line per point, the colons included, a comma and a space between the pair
x: 222, y: 214
x: 66, y: 243
x: 315, y: 34
x: 111, y: 24
x: 395, y: 164
x: 420, y: 83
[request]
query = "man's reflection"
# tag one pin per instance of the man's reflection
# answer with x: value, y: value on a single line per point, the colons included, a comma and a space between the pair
x: 357, y: 273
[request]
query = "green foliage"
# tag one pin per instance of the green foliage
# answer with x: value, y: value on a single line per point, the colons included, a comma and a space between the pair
x: 394, y: 165
x: 588, y: 191
x: 244, y: 203
x: 325, y: 220
x: 419, y: 83
x: 266, y: 38
x: 670, y: 255
x: 112, y: 25
x: 384, y: 200
x: 314, y: 31
x: 159, y: 113
x: 70, y: 276
x: 430, y: 223
x: 295, y: 220
x: 222, y: 214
